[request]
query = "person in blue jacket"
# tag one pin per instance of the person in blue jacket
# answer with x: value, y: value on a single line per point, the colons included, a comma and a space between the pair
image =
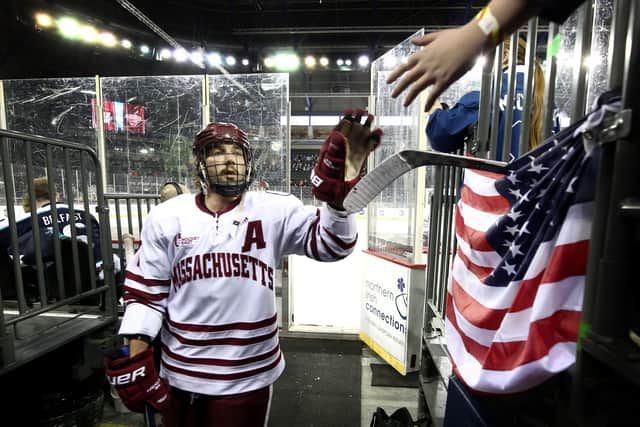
x: 448, y: 128
x: 43, y: 206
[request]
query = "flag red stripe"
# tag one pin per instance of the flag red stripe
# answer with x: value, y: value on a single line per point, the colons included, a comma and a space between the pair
x: 557, y: 270
x: 566, y: 261
x: 491, y: 204
x: 562, y: 326
x: 476, y: 239
x: 473, y: 311
x: 479, y: 271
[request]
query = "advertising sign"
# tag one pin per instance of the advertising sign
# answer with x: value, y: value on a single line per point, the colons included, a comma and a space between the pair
x: 392, y: 309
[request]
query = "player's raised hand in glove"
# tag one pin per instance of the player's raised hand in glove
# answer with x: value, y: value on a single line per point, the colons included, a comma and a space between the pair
x: 342, y: 157
x: 136, y: 380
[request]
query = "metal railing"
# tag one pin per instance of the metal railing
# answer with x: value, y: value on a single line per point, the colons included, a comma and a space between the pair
x: 122, y: 204
x: 606, y: 357
x: 26, y: 324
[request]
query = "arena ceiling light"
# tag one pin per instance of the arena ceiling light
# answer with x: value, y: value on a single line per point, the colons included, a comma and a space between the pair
x: 214, y: 59
x: 44, y: 20
x: 286, y: 61
x: 310, y: 61
x: 165, y: 54
x: 71, y: 28
x: 230, y: 60
x: 68, y: 27
x: 107, y: 39
x: 180, y: 55
x: 324, y: 61
x: 196, y: 57
x: 245, y: 62
x: 88, y: 34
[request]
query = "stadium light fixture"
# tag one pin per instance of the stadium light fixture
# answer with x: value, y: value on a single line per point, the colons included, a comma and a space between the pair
x: 180, y: 55
x: 88, y: 34
x: 310, y: 61
x: 214, y: 59
x: 108, y: 39
x: 68, y: 27
x: 44, y: 20
x: 286, y: 61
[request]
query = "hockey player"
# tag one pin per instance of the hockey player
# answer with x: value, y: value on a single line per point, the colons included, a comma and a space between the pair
x: 204, y: 279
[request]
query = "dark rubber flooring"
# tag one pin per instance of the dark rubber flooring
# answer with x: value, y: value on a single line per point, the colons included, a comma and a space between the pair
x: 320, y: 386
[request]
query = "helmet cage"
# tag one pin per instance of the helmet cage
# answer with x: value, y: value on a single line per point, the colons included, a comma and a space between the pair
x: 222, y: 133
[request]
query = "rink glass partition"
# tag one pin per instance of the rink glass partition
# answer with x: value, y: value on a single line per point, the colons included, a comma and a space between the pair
x: 175, y: 109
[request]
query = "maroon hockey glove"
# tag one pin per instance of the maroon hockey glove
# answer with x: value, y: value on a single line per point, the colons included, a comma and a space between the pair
x: 342, y: 157
x: 136, y: 380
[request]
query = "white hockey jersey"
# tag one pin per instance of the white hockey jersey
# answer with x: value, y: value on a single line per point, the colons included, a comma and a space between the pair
x: 208, y: 280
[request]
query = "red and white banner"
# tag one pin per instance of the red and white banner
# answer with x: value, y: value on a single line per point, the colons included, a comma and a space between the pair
x: 120, y: 117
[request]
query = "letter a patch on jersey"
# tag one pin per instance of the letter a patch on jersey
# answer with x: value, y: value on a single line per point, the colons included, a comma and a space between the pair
x: 254, y: 235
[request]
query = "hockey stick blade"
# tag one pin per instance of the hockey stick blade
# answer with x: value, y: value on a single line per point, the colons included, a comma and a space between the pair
x: 400, y: 163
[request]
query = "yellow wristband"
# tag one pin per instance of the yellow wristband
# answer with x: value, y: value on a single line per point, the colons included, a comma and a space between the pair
x: 489, y: 25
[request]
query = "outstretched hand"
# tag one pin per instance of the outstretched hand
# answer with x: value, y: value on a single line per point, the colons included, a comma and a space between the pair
x: 360, y: 140
x: 445, y: 56
x: 342, y: 157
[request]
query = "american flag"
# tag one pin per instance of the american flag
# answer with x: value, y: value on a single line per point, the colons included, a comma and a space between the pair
x: 514, y: 296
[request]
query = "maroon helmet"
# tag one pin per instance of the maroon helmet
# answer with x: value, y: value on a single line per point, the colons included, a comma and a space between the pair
x: 223, y: 133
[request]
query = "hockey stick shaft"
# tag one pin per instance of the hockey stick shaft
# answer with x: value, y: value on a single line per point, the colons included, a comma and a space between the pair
x: 149, y: 416
x: 400, y: 163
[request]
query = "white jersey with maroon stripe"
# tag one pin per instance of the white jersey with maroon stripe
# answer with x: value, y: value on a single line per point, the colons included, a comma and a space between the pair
x: 208, y: 280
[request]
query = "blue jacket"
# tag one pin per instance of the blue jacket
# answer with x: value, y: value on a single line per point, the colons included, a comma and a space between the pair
x: 446, y: 129
x: 23, y: 225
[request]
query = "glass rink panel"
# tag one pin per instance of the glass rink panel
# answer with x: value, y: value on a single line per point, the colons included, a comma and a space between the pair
x: 258, y: 104
x: 598, y: 61
x: 149, y: 126
x: 55, y: 108
x: 391, y: 214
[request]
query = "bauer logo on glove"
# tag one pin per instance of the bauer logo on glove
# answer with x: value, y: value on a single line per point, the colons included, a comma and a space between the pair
x: 342, y: 157
x: 136, y: 380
